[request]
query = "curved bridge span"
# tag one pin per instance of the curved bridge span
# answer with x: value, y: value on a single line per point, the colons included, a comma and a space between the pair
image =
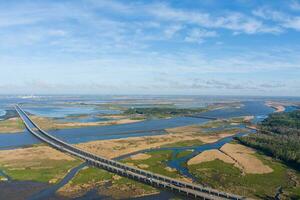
x: 156, y: 180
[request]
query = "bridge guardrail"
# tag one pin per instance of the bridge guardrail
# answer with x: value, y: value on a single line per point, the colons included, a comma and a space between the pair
x: 71, y: 149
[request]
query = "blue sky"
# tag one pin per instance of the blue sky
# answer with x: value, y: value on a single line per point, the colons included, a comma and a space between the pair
x: 213, y: 47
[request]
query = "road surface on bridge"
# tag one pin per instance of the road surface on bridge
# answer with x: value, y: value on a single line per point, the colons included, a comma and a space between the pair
x: 153, y: 179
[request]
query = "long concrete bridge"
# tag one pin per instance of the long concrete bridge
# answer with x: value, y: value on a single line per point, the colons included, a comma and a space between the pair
x: 189, y: 190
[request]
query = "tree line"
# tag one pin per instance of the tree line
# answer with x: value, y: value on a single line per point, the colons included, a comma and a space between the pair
x: 278, y: 136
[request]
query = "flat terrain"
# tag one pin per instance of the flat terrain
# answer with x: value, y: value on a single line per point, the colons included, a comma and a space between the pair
x: 11, y: 125
x: 210, y: 155
x: 245, y: 157
x: 119, y: 187
x: 117, y: 147
x: 279, y: 107
x: 153, y: 161
x: 39, y: 163
x: 163, y: 112
x: 248, y: 173
x: 140, y: 156
x: 44, y: 164
x: 242, y: 157
x: 234, y: 168
x: 15, y: 125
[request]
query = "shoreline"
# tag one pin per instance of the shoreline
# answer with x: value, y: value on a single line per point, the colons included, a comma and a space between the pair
x: 275, y: 105
x: 117, y: 147
x: 114, y: 148
x: 51, y: 124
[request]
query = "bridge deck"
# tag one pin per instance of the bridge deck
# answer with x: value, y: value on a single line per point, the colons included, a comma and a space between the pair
x: 156, y: 180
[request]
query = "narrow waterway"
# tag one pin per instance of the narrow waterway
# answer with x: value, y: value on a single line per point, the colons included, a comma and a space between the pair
x: 149, y: 127
x: 180, y: 163
x: 50, y: 191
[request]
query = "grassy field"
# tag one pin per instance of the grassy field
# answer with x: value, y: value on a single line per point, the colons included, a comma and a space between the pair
x: 91, y: 174
x: 12, y: 125
x: 294, y: 193
x: 218, y: 123
x: 122, y: 181
x: 156, y: 163
x: 118, y: 187
x: 47, y: 171
x: 224, y: 176
x: 185, y: 143
x: 163, y: 112
x: 228, y: 131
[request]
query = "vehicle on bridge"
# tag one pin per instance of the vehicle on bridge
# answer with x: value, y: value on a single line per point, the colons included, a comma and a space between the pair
x: 156, y: 180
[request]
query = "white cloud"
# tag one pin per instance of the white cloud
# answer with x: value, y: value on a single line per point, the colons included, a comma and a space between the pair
x: 295, y: 5
x: 198, y: 35
x: 284, y: 20
x: 269, y: 14
x: 172, y: 30
x: 293, y: 23
x: 123, y: 40
x: 59, y: 33
x: 221, y: 84
x: 239, y: 22
x: 112, y: 5
x: 230, y: 20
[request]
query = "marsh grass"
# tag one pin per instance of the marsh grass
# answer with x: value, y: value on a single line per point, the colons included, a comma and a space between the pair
x: 224, y: 176
x: 47, y: 170
x: 185, y: 143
